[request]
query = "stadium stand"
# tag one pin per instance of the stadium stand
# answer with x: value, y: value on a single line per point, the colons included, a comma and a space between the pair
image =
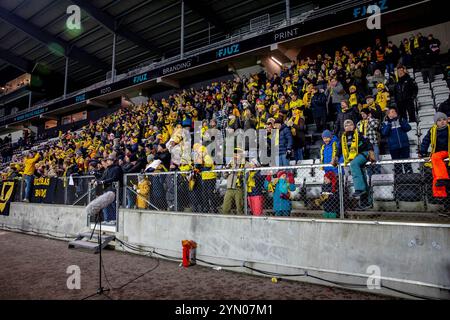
x: 133, y: 138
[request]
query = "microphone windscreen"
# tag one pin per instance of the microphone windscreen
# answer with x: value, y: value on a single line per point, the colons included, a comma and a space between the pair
x: 100, y: 203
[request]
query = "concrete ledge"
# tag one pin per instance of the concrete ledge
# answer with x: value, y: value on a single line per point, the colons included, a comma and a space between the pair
x: 58, y: 220
x: 412, y: 257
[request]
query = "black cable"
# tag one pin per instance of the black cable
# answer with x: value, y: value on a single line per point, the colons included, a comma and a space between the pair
x: 35, y: 232
x: 340, y: 284
x: 269, y: 273
x: 409, y: 294
x: 125, y: 284
x: 137, y: 249
x: 218, y: 265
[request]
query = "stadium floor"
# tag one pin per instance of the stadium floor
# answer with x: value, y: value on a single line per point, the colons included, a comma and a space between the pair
x: 35, y: 268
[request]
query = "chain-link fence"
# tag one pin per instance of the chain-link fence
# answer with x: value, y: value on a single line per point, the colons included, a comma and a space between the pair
x: 387, y: 189
x: 398, y: 190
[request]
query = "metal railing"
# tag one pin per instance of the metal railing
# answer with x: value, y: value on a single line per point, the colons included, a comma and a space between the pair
x: 400, y: 188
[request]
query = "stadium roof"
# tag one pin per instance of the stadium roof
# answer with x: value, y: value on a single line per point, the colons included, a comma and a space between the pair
x: 35, y: 31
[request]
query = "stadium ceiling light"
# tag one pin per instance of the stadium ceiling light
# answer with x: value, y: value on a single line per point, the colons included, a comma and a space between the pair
x: 276, y: 61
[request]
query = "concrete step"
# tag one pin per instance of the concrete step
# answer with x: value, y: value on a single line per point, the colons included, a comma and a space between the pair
x: 92, y: 245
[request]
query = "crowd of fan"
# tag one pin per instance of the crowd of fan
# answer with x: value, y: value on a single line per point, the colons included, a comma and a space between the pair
x: 365, y: 93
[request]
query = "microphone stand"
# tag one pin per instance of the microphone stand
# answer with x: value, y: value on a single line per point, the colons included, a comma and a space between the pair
x: 100, y: 290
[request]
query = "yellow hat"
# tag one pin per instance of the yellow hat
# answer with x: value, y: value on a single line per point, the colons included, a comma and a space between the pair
x: 352, y: 88
x: 380, y: 86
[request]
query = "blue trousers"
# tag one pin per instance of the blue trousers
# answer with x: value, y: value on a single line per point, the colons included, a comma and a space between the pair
x: 298, y: 154
x: 131, y: 199
x: 28, y: 184
x: 282, y: 213
x: 358, y: 174
x: 109, y: 213
x: 283, y: 160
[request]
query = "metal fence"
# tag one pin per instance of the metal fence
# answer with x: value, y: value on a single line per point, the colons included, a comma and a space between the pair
x: 393, y: 189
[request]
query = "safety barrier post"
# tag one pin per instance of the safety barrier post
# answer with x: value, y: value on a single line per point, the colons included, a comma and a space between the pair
x: 245, y: 192
x: 341, y: 191
x: 65, y: 189
x: 125, y: 191
x: 117, y: 187
x: 175, y: 190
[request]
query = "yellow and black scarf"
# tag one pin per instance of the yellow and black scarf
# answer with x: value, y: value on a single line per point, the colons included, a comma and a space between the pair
x: 351, y: 154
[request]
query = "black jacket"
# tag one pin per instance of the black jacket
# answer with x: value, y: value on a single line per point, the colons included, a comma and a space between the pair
x: 444, y: 107
x: 351, y: 114
x: 112, y: 174
x: 441, y: 141
x: 405, y: 90
x: 165, y: 158
x: 319, y: 105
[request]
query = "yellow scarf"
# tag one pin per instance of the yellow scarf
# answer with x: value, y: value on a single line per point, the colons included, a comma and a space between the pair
x: 353, y: 100
x: 261, y: 120
x: 408, y: 48
x: 433, y: 132
x: 351, y: 154
x: 333, y: 153
x: 363, y: 125
x: 251, y: 183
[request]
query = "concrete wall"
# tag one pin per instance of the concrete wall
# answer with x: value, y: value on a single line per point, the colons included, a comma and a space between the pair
x: 335, y: 250
x: 414, y: 258
x: 58, y: 220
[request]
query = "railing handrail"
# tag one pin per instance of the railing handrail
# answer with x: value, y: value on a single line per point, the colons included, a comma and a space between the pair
x: 286, y: 168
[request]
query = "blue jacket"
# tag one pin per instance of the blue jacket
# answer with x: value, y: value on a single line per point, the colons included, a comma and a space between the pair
x: 328, y: 153
x: 286, y: 140
x: 395, y: 130
x: 282, y: 186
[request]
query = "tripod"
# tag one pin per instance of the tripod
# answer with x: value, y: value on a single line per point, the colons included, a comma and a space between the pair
x: 100, y: 290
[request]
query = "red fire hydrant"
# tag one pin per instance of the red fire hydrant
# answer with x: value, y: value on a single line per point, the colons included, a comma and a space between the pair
x: 189, y: 248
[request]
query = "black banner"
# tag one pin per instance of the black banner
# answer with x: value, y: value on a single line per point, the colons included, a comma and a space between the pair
x: 7, y: 191
x: 44, y: 190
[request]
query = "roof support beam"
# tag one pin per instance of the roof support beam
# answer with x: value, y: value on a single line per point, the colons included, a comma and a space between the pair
x: 207, y: 13
x: 16, y: 61
x: 113, y: 25
x: 47, y: 39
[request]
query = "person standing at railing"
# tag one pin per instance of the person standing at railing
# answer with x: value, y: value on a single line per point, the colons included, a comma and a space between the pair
x: 438, y: 137
x: 143, y: 192
x: 28, y: 172
x: 329, y: 198
x: 329, y: 150
x: 255, y: 185
x: 356, y: 150
x: 281, y: 186
x: 235, y: 184
x: 113, y: 173
x: 395, y: 130
x: 205, y: 164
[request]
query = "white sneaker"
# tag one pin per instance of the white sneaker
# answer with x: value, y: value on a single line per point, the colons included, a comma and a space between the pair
x: 25, y: 200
